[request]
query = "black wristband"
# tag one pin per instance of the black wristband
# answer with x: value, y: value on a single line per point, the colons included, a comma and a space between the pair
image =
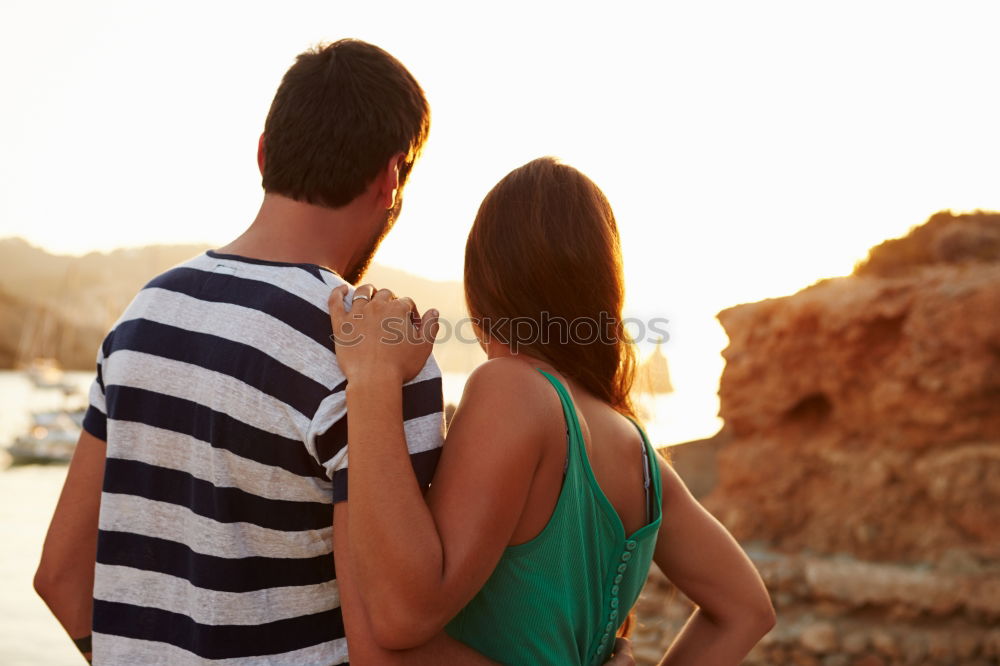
x: 85, y: 644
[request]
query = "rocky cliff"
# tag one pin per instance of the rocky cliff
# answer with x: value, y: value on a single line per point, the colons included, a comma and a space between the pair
x: 860, y: 458
x: 864, y: 411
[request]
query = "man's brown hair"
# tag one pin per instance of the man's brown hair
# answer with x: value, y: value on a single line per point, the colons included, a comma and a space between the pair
x: 341, y: 111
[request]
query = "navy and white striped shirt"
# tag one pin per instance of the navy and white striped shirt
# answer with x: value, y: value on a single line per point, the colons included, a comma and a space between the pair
x: 220, y: 398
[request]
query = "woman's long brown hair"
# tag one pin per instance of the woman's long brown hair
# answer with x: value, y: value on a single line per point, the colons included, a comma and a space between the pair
x: 542, y: 260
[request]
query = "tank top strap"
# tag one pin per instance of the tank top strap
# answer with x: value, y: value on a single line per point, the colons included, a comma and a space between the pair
x: 650, y: 475
x: 577, y: 459
x: 574, y: 434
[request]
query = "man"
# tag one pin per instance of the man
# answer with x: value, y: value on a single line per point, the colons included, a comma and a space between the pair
x: 210, y: 483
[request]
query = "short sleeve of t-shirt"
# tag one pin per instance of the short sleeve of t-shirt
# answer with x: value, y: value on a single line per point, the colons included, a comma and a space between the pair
x: 423, y: 425
x: 95, y: 421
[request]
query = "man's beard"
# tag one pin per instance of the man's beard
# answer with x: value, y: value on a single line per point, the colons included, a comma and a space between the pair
x: 360, y: 266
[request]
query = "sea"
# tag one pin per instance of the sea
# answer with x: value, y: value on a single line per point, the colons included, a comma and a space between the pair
x: 29, y: 634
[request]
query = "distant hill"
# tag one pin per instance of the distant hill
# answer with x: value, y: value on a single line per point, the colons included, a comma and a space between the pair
x: 77, y: 299
x: 47, y: 332
x: 92, y: 289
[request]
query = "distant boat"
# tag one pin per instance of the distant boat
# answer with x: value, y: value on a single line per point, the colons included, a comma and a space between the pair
x: 41, y: 341
x: 51, y: 438
x: 653, y: 374
x: 55, y: 417
x: 46, y: 373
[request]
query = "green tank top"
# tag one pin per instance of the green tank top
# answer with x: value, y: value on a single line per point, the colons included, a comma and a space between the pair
x: 560, y: 598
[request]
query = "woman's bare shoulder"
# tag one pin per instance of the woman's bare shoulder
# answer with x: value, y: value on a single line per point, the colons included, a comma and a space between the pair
x: 504, y: 373
x: 509, y: 386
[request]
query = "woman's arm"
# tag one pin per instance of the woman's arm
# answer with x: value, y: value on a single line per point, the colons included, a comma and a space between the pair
x: 364, y: 649
x: 417, y: 563
x: 703, y: 560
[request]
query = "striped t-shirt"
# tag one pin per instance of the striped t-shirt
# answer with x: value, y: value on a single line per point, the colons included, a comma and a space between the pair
x: 222, y: 405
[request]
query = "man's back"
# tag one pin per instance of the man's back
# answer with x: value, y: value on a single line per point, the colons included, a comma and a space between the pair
x: 222, y: 405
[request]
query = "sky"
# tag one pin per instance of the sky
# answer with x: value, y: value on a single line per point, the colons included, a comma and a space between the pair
x: 749, y: 149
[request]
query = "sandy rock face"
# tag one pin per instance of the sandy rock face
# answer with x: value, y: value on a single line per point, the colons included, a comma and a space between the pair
x: 859, y: 465
x: 864, y: 415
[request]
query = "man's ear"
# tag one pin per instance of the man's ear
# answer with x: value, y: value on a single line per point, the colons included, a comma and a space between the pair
x: 260, y: 154
x: 390, y: 181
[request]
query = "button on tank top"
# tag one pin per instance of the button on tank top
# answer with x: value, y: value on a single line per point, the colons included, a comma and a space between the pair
x: 560, y: 598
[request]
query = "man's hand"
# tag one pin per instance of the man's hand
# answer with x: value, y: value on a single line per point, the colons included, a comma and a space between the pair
x: 623, y: 653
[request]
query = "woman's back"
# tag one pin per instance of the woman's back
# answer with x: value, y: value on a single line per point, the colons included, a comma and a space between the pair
x: 615, y: 451
x: 514, y: 559
x: 559, y: 597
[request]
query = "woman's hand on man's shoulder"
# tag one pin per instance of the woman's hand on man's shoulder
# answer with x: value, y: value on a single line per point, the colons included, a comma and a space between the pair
x: 380, y: 338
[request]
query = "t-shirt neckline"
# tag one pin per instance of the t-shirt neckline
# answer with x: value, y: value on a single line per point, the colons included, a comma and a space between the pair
x: 267, y: 262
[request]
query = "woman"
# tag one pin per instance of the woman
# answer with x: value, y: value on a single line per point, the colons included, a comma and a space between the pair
x: 548, y: 504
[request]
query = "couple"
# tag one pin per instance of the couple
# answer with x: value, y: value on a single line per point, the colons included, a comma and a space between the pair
x: 206, y: 515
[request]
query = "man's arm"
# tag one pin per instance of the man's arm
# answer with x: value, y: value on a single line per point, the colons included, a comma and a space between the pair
x: 65, y: 575
x: 441, y: 649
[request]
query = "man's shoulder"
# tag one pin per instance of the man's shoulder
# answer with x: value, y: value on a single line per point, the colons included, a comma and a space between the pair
x: 281, y: 310
x: 242, y: 275
x: 293, y: 292
x: 200, y: 261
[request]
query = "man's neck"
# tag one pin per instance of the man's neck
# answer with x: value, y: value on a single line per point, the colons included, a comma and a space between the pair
x: 300, y: 233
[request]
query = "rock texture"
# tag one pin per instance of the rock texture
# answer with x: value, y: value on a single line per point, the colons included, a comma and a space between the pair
x: 849, y: 612
x: 864, y: 414
x: 859, y: 464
